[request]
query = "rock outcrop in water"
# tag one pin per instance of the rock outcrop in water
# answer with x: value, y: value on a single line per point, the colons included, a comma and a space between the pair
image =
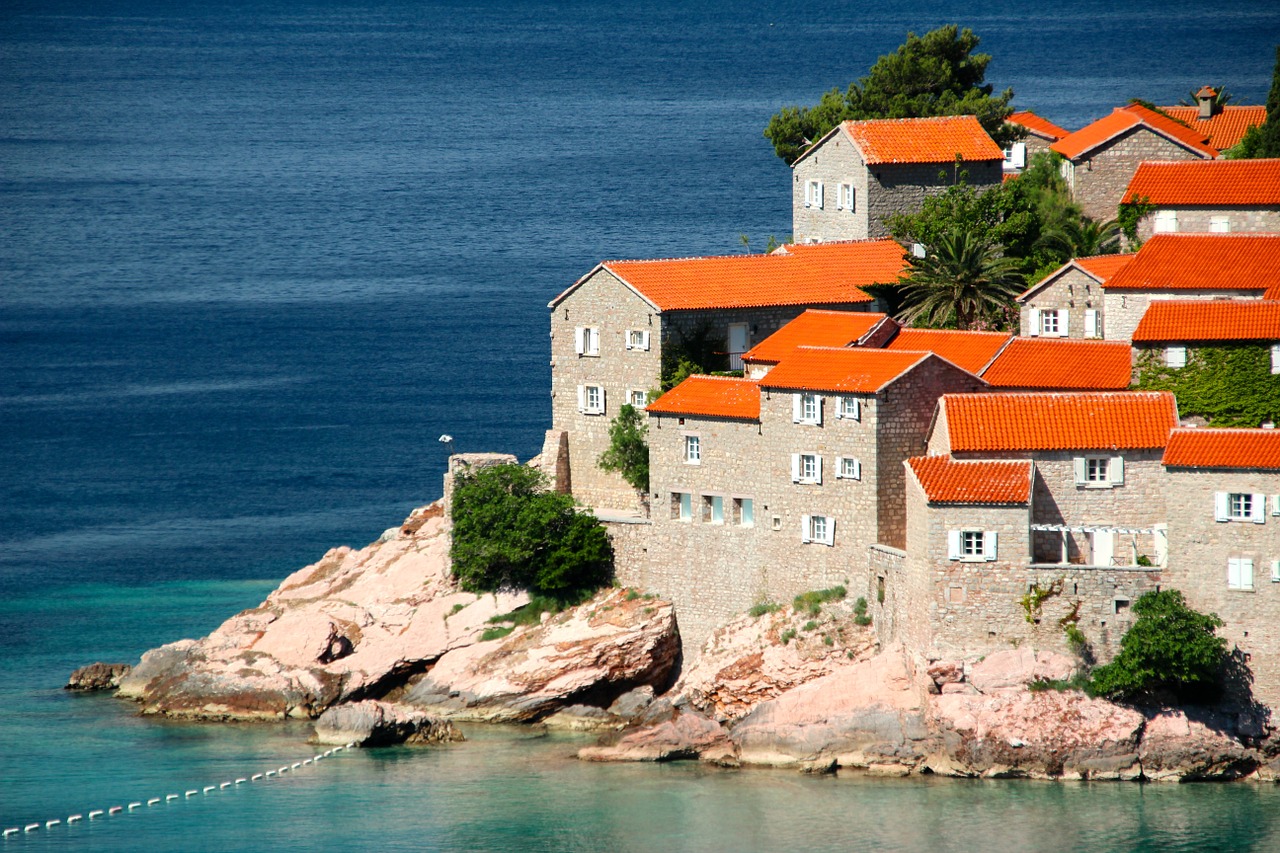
x: 373, y: 723
x: 388, y: 621
x: 98, y: 676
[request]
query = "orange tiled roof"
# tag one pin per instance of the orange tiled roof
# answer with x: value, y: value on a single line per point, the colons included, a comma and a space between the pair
x: 970, y: 350
x: 826, y: 273
x: 816, y: 328
x: 947, y: 481
x: 1224, y: 448
x: 1100, y: 267
x: 1089, y: 137
x: 1062, y: 364
x: 711, y: 396
x: 1065, y: 421
x: 837, y: 369
x: 939, y: 139
x: 1206, y: 182
x: 1209, y: 320
x: 1038, y: 125
x: 1204, y: 262
x: 1226, y: 129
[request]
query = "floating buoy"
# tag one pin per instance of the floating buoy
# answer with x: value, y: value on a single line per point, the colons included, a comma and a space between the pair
x: 74, y: 818
x: 95, y: 813
x: 10, y: 831
x: 192, y: 792
x: 132, y: 806
x: 255, y: 777
x: 153, y: 801
x: 168, y: 797
x: 225, y: 785
x: 49, y: 823
x: 306, y: 762
x: 297, y: 764
x: 208, y: 788
x: 284, y: 769
x: 115, y: 810
x: 271, y: 772
x: 31, y: 827
x: 241, y: 781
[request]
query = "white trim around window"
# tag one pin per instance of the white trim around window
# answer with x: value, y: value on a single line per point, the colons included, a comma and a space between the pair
x: 818, y: 529
x: 813, y: 192
x: 638, y: 339
x: 1099, y: 472
x: 848, y: 468
x: 1240, y: 506
x: 972, y: 546
x: 591, y: 399
x: 848, y: 408
x: 806, y: 469
x: 806, y: 408
x: 692, y: 448
x: 586, y: 340
x: 639, y: 399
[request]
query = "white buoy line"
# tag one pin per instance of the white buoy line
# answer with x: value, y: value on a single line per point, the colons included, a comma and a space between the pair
x: 112, y: 811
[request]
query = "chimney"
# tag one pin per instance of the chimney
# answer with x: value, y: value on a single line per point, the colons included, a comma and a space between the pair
x: 1207, y: 97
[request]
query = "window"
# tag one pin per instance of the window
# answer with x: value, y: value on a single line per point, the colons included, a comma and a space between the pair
x: 845, y: 199
x: 1240, y: 506
x: 713, y: 509
x: 1219, y: 225
x: 1166, y: 221
x: 638, y: 339
x: 819, y: 529
x: 591, y: 399
x: 1091, y: 329
x: 744, y: 512
x: 1275, y: 571
x: 639, y: 399
x: 971, y: 546
x: 1240, y: 573
x: 1099, y: 471
x: 682, y: 506
x: 693, y: 449
x: 586, y: 340
x: 806, y: 409
x: 849, y: 407
x: 1275, y: 504
x: 848, y: 468
x: 806, y: 468
x: 813, y: 194
x: 1053, y: 324
x: 1015, y: 156
x: 1175, y: 357
x: 1275, y: 358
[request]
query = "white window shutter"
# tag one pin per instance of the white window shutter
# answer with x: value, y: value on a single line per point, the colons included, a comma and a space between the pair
x: 1220, y: 506
x: 629, y: 339
x: 644, y: 339
x: 857, y: 470
x: 820, y: 194
x: 795, y: 467
x: 1275, y: 358
x: 817, y: 407
x: 1233, y: 573
x: 804, y: 528
x: 1275, y: 504
x: 1116, y: 470
x: 582, y: 398
x: 1258, y: 509
x: 1064, y: 318
x: 1246, y: 573
x: 818, y: 469
x: 1034, y: 314
x: 1091, y: 322
x: 953, y: 544
x: 989, y: 546
x: 839, y: 467
x: 857, y: 410
x: 1080, y: 466
x: 796, y: 408
x: 1275, y: 571
x: 603, y: 406
x: 830, y: 538
x: 579, y: 340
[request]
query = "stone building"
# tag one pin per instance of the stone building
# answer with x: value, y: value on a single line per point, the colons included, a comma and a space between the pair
x: 817, y: 328
x: 1172, y: 331
x: 1224, y: 126
x: 1068, y: 302
x: 1060, y: 364
x: 765, y: 489
x: 860, y: 172
x: 1100, y: 158
x: 1223, y: 498
x: 1190, y: 266
x: 611, y: 330
x: 1041, y: 133
x: 1211, y: 196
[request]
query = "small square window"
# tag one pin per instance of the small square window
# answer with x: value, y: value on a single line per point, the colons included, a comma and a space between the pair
x: 1048, y: 323
x: 808, y: 468
x: 744, y: 512
x: 682, y: 506
x: 1175, y: 357
x: 1240, y: 506
x: 637, y: 339
x: 713, y: 509
x: 972, y: 545
x: 845, y: 200
x: 849, y: 408
x: 818, y: 528
x: 639, y: 399
x: 809, y: 408
x: 813, y: 194
x: 587, y: 340
x: 1097, y: 470
x: 850, y: 469
x: 592, y: 399
x: 693, y: 449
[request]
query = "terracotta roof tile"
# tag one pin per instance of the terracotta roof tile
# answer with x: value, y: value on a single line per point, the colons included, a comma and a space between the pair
x: 711, y: 396
x: 969, y: 350
x: 1038, y: 125
x: 1121, y: 119
x: 922, y: 140
x: 1224, y: 448
x: 814, y: 327
x: 1227, y: 128
x: 1209, y: 320
x: 1066, y: 421
x: 948, y: 481
x: 1099, y: 267
x: 837, y: 369
x: 1204, y: 262
x: 826, y: 273
x: 1207, y: 182
x: 1062, y: 364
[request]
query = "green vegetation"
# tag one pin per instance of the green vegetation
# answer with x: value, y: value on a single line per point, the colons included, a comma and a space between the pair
x: 1228, y: 384
x: 1129, y: 214
x: 811, y: 625
x: 931, y: 75
x: 1033, y: 601
x: 787, y: 636
x: 762, y: 608
x: 1170, y: 646
x: 964, y: 281
x: 628, y: 451
x: 510, y: 533
x: 813, y: 601
x: 1220, y: 98
x: 1079, y: 681
x: 860, y: 616
x: 496, y: 633
x: 695, y: 350
x: 1263, y: 141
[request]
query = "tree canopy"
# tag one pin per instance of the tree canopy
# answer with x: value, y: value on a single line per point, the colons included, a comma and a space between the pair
x: 509, y: 532
x: 628, y: 452
x: 935, y: 74
x: 1264, y: 141
x: 963, y: 281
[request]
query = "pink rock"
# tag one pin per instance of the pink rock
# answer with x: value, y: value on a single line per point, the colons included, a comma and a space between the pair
x: 686, y: 734
x: 945, y: 672
x: 1175, y: 748
x: 1013, y: 669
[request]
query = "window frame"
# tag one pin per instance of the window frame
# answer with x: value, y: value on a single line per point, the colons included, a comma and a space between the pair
x: 638, y: 340
x: 1175, y: 357
x: 692, y: 448
x: 848, y: 468
x: 1050, y: 322
x: 848, y: 408
x: 643, y: 399
x: 740, y: 518
x: 587, y: 340
x: 682, y: 507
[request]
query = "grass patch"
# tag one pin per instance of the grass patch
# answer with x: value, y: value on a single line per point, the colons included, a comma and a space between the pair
x: 788, y: 635
x: 762, y: 608
x: 531, y: 613
x: 496, y: 633
x: 813, y: 601
x: 457, y: 608
x: 860, y: 616
x: 810, y: 625
x: 632, y: 595
x: 1079, y: 681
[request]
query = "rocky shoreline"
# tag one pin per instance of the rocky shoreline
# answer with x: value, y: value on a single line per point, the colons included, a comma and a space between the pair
x: 379, y: 646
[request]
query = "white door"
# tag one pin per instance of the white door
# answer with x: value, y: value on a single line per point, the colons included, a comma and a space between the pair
x: 1103, y: 545
x: 737, y: 345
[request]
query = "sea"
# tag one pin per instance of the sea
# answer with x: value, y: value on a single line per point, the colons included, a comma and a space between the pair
x: 257, y: 258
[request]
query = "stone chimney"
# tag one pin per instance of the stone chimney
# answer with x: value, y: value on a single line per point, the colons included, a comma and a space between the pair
x: 1207, y: 98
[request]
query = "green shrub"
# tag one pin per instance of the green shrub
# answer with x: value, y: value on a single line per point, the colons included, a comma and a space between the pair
x: 1080, y: 681
x: 496, y: 633
x: 1169, y: 646
x: 813, y: 601
x: 632, y: 595
x: 762, y: 608
x: 860, y: 616
x: 509, y: 532
x: 628, y: 451
x: 828, y: 639
x: 809, y: 626
x: 788, y: 635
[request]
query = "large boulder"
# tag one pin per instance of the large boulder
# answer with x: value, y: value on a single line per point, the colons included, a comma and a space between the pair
x: 590, y: 655
x: 1014, y: 669
x: 371, y: 723
x: 98, y: 676
x: 679, y: 733
x: 1177, y: 748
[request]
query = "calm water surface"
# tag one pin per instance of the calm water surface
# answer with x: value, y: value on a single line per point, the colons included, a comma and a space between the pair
x: 255, y: 257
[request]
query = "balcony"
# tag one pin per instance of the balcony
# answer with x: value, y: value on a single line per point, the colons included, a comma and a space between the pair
x: 1106, y: 547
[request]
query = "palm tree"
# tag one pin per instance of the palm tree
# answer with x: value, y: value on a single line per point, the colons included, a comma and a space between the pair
x: 1080, y: 237
x: 964, y: 278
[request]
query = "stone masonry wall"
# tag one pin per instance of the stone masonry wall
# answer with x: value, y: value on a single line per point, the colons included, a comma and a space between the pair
x: 1200, y: 547
x: 1124, y: 309
x: 1193, y: 220
x: 1102, y: 176
x: 903, y: 187
x: 836, y: 162
x: 1073, y: 292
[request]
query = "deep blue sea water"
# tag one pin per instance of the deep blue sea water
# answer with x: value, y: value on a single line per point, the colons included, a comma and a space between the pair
x: 255, y: 257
